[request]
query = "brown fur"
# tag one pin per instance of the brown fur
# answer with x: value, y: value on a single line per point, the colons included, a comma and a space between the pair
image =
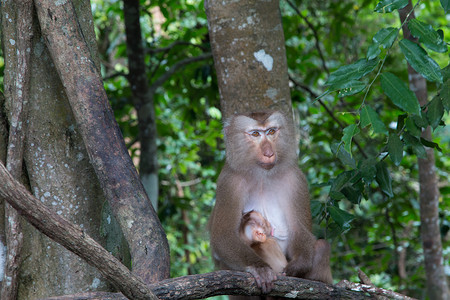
x: 279, y: 192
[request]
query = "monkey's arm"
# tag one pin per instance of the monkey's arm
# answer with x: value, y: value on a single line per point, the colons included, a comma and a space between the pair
x: 300, y: 251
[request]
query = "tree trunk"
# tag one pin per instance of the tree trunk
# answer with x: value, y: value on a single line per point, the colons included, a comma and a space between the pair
x: 247, y: 41
x: 429, y: 192
x: 57, y: 165
x: 142, y: 100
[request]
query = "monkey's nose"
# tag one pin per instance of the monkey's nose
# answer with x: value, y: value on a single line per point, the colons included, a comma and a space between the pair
x: 268, y: 153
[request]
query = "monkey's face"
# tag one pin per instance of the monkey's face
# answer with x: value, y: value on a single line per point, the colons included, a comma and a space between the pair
x: 257, y: 139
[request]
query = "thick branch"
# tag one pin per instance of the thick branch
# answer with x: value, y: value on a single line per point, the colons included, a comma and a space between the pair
x: 239, y: 283
x: 71, y: 237
x: 13, y: 230
x: 103, y: 140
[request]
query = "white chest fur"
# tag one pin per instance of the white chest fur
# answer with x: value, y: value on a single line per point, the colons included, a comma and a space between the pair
x: 271, y: 204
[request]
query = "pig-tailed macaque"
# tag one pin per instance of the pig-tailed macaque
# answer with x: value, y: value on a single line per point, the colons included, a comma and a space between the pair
x: 261, y: 174
x: 258, y: 234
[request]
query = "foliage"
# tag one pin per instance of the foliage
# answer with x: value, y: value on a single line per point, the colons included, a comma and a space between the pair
x: 370, y: 193
x: 359, y: 140
x: 188, y: 120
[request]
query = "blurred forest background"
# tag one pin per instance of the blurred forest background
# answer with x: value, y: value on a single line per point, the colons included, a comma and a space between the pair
x: 365, y: 202
x: 380, y: 234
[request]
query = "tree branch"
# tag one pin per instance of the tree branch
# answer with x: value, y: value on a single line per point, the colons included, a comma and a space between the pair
x: 328, y: 110
x: 103, y: 140
x: 72, y: 237
x: 316, y: 35
x: 171, y: 46
x: 240, y: 283
x: 178, y: 65
x: 14, y: 160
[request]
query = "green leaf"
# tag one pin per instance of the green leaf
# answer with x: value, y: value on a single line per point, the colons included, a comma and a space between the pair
x: 343, y: 155
x: 401, y: 121
x: 316, y: 208
x: 336, y: 195
x: 351, y: 88
x: 418, y: 58
x: 373, y: 51
x: 384, y: 179
x: 444, y: 95
x: 412, y: 127
x: 367, y: 169
x: 354, y: 192
x: 345, y: 88
x: 415, y: 144
x: 446, y: 5
x: 385, y: 37
x: 399, y: 93
x: 427, y: 35
x: 351, y: 72
x: 386, y: 6
x: 341, y: 217
x: 370, y: 117
x: 349, y: 132
x: 395, y: 149
x: 435, y: 112
x: 430, y: 144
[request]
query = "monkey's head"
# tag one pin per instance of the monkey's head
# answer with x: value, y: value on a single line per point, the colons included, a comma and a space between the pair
x: 254, y: 227
x: 263, y: 139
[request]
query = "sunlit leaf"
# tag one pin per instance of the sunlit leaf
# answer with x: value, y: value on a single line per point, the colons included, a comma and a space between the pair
x: 349, y: 132
x: 418, y: 58
x: 387, y: 6
x: 427, y: 35
x: 351, y: 72
x: 370, y: 117
x: 399, y: 93
x: 395, y: 148
x: 384, y: 179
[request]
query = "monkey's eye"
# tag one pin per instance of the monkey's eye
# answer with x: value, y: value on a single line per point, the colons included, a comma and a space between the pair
x: 255, y: 133
x: 271, y: 131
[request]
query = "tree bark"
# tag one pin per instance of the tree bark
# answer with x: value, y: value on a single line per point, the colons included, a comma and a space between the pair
x: 104, y: 142
x: 142, y: 100
x: 72, y: 237
x: 56, y: 164
x: 437, y: 285
x: 14, y: 160
x: 247, y: 41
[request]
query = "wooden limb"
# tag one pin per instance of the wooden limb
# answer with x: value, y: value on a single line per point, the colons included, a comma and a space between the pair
x: 239, y: 283
x: 71, y: 237
x: 104, y: 142
x: 377, y: 293
x: 14, y: 159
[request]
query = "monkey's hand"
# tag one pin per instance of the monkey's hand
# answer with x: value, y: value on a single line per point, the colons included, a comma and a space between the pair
x: 264, y: 277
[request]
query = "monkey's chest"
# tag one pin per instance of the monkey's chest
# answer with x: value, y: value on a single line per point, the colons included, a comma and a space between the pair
x: 273, y: 211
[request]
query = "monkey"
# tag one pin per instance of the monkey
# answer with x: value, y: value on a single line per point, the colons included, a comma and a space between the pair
x: 261, y: 174
x: 257, y: 232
